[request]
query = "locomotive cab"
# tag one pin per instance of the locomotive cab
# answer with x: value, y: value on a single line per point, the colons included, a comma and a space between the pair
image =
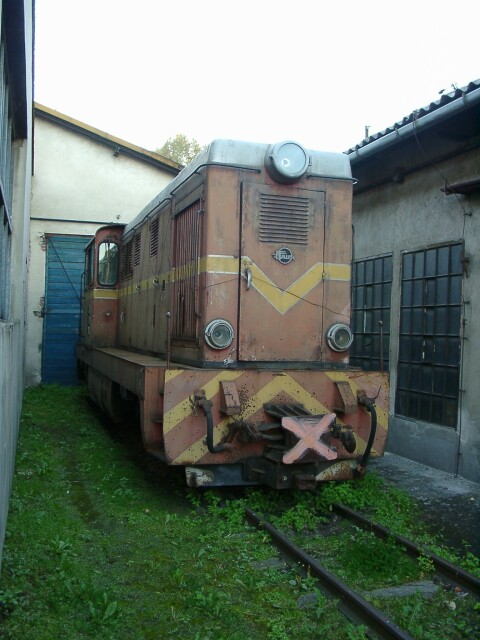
x: 100, y: 287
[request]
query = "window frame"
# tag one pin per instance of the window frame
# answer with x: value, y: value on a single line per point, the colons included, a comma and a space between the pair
x: 430, y: 335
x: 372, y: 279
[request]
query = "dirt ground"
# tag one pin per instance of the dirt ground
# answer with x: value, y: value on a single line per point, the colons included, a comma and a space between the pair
x: 450, y: 503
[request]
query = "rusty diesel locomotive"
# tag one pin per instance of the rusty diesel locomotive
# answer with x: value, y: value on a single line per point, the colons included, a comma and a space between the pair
x: 223, y: 311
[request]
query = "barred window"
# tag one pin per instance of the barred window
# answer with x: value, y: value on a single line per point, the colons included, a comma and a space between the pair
x: 371, y: 300
x: 429, y: 349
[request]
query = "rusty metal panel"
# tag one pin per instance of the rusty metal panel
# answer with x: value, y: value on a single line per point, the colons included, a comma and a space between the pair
x: 290, y: 292
x: 184, y: 424
x: 230, y: 404
x: 185, y: 262
x: 347, y: 403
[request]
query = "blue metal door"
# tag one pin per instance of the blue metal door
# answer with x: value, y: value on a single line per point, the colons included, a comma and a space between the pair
x: 65, y: 264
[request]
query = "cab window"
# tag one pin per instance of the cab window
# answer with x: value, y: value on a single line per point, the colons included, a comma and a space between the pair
x: 107, y: 263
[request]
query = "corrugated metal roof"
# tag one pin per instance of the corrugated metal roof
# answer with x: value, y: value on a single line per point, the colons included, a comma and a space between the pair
x: 416, y: 115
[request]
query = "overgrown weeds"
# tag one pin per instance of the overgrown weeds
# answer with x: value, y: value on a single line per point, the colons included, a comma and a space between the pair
x: 104, y: 543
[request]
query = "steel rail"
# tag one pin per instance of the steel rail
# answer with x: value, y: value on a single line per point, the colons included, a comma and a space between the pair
x: 352, y: 602
x: 458, y: 575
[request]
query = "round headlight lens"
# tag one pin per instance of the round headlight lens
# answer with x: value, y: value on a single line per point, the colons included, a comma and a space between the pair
x: 287, y: 161
x: 219, y: 334
x: 339, y: 337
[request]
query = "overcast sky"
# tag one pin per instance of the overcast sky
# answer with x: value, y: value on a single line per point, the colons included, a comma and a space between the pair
x: 316, y: 72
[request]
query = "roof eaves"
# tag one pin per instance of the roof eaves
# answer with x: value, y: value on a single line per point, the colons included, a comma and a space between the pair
x: 117, y: 144
x: 416, y: 116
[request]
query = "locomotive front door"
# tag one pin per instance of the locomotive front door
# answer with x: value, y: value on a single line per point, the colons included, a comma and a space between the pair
x: 282, y: 273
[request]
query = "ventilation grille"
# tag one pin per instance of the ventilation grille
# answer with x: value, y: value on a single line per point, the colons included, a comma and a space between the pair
x: 185, y: 260
x: 137, y: 250
x: 126, y: 264
x: 283, y: 219
x: 154, y: 237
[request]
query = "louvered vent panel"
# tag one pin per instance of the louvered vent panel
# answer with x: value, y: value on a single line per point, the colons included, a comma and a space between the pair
x: 154, y: 237
x: 185, y: 257
x: 283, y: 219
x: 126, y: 265
x: 137, y: 250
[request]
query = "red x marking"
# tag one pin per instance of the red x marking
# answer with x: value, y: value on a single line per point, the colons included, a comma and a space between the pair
x: 308, y: 431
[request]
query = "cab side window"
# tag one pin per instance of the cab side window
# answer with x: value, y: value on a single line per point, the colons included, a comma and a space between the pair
x: 107, y: 263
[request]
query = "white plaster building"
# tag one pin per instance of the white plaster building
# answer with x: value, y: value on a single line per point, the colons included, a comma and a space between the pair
x: 83, y: 178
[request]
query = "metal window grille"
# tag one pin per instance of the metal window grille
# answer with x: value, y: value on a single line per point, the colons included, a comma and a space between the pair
x: 429, y: 348
x: 186, y: 252
x: 371, y: 301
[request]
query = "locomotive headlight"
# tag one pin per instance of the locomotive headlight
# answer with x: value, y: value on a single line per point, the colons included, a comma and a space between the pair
x: 286, y: 161
x: 219, y: 334
x: 339, y: 337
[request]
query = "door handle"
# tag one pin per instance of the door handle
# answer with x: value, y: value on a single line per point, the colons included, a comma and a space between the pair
x: 248, y: 276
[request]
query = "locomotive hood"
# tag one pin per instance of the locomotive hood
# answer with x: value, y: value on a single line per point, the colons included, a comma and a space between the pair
x: 249, y: 154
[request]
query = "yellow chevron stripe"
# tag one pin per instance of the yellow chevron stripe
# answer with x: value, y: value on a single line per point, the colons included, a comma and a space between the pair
x: 382, y: 415
x: 269, y: 391
x: 184, y: 408
x: 110, y: 294
x: 171, y: 374
x: 227, y: 265
x: 199, y: 449
x: 282, y: 300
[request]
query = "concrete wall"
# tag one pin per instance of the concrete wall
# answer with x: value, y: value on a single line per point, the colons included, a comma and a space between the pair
x: 407, y: 217
x: 12, y: 329
x: 79, y: 184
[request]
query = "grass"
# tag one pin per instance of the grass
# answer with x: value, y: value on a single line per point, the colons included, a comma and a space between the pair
x: 103, y: 542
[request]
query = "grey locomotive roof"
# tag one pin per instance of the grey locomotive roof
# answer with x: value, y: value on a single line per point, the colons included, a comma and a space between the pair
x: 247, y: 154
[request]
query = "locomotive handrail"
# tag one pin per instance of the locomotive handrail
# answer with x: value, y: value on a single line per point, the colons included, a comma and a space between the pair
x: 150, y: 213
x: 322, y: 175
x: 214, y: 164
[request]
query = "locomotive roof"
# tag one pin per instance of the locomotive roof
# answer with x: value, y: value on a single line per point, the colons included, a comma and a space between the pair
x: 245, y: 154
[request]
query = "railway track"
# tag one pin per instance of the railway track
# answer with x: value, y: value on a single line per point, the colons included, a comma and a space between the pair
x: 351, y: 603
x: 444, y: 569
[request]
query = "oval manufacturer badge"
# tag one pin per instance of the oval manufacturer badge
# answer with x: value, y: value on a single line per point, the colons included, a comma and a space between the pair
x: 283, y: 255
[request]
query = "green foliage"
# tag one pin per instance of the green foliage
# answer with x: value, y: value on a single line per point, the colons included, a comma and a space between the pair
x: 102, y: 611
x: 103, y: 543
x: 180, y: 149
x: 426, y: 565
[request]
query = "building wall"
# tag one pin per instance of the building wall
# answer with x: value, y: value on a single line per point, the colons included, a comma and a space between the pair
x: 410, y: 216
x: 12, y: 327
x: 78, y: 185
